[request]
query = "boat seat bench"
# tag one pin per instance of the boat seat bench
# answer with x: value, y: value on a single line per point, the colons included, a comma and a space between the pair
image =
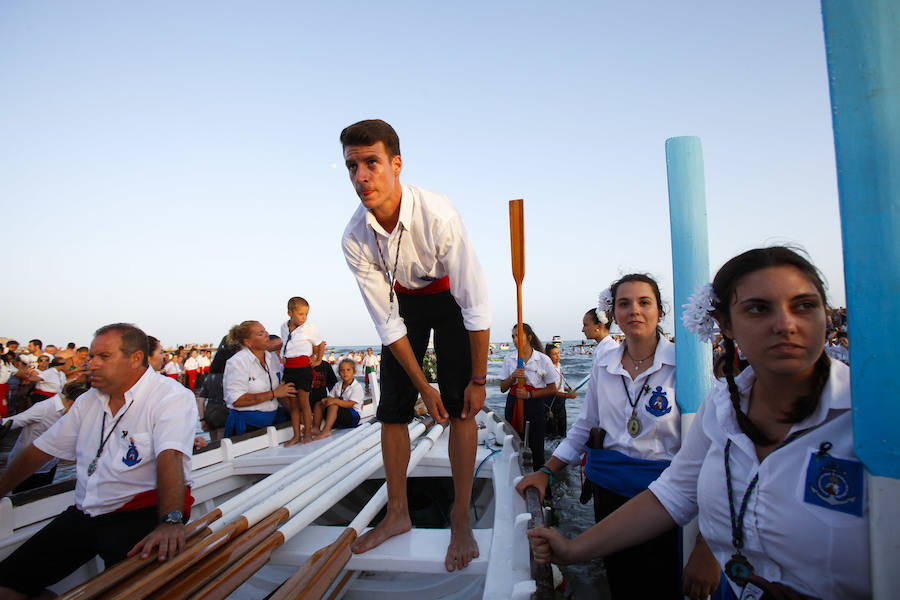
x: 418, y: 551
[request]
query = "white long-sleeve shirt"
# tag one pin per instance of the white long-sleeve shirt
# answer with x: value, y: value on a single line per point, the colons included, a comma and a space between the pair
x: 434, y: 244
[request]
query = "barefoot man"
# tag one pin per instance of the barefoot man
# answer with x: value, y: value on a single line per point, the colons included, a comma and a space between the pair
x: 417, y: 271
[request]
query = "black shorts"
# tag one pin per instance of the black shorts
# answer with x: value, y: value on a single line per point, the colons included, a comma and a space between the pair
x: 301, y: 377
x: 69, y: 541
x: 347, y: 418
x: 422, y: 314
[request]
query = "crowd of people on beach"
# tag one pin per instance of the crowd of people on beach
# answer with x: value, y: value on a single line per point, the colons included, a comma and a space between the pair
x: 768, y: 466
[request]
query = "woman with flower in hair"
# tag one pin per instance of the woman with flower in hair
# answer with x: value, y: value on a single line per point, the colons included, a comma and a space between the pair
x: 631, y: 428
x: 768, y: 465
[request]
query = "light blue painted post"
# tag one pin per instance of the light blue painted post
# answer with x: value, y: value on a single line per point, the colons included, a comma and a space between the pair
x: 690, y: 265
x: 690, y: 268
x: 862, y: 41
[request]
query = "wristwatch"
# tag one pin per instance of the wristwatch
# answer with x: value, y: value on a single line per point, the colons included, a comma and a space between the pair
x: 172, y: 518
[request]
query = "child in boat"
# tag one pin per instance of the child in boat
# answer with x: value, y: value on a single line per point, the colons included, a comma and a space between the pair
x: 301, y: 351
x: 344, y: 401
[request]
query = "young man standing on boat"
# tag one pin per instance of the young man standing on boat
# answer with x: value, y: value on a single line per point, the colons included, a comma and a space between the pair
x: 131, y: 436
x: 417, y: 270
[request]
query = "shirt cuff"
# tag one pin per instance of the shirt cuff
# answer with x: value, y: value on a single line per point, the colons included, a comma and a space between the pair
x: 477, y: 318
x: 566, y: 452
x: 391, y: 331
x: 45, y: 446
x: 680, y: 514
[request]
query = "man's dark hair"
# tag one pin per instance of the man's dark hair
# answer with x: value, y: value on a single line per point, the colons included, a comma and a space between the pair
x: 83, y: 349
x: 133, y: 339
x: 369, y: 133
x: 37, y: 343
x: 70, y: 346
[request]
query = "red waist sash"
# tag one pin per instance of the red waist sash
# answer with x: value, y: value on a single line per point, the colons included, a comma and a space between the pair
x: 435, y: 287
x: 296, y: 362
x: 44, y: 394
x: 151, y: 498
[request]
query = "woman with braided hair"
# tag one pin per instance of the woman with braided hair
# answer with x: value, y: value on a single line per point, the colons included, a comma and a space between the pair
x: 768, y: 465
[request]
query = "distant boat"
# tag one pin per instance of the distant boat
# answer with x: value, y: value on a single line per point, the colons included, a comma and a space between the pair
x: 557, y: 341
x: 504, y: 346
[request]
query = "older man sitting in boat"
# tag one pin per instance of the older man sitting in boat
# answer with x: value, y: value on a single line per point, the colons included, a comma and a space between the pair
x: 131, y: 437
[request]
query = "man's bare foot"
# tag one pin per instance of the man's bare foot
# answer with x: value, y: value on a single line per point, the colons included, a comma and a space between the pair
x: 292, y: 441
x: 391, y: 525
x: 463, y: 548
x: 324, y: 433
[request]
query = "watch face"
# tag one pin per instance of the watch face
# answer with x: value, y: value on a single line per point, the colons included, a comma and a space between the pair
x: 173, y: 518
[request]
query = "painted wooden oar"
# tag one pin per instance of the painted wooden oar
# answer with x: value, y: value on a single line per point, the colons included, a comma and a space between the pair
x: 222, y: 533
x: 227, y: 511
x: 340, y: 485
x: 517, y: 251
x: 323, y: 567
x: 92, y: 588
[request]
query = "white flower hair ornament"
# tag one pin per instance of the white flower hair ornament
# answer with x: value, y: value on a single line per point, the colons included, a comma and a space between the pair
x: 698, y: 313
x: 604, y: 306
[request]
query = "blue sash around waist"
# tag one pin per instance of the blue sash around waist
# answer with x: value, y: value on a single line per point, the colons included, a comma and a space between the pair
x: 622, y: 474
x: 240, y: 421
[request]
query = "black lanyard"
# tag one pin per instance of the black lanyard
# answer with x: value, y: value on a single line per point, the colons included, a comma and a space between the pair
x: 93, y: 466
x: 392, y: 277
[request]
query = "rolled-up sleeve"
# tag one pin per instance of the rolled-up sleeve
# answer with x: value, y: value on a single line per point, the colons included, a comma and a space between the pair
x: 375, y: 290
x: 570, y: 449
x: 676, y: 488
x: 468, y: 284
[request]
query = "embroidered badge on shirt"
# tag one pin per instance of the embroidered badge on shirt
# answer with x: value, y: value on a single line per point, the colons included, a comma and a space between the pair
x: 658, y: 405
x: 131, y: 457
x: 428, y: 278
x: 834, y: 483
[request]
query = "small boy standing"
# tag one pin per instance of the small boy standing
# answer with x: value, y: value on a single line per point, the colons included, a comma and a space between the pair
x: 301, y: 351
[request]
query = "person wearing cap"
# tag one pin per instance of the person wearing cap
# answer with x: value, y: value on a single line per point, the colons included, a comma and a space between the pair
x: 131, y: 437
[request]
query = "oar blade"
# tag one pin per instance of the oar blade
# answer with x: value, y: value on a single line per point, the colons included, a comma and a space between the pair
x: 517, y: 238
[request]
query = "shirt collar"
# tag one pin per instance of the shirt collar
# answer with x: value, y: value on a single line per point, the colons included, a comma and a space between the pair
x: 664, y: 355
x: 835, y: 396
x: 135, y: 393
x: 407, y: 201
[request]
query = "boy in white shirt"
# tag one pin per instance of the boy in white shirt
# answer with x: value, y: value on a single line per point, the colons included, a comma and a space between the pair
x: 301, y: 351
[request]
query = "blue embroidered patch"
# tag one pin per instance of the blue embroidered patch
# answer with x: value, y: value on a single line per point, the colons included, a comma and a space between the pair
x: 834, y: 483
x: 131, y: 457
x: 428, y: 278
x: 658, y: 405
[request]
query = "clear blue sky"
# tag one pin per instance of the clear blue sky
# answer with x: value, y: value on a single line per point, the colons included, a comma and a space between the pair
x: 176, y: 165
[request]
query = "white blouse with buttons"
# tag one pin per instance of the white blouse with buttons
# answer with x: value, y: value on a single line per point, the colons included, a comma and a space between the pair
x: 606, y: 406
x: 819, y: 551
x: 244, y: 374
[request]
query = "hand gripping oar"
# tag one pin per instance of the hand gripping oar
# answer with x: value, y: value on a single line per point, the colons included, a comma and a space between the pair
x: 303, y: 510
x: 314, y: 578
x: 227, y: 511
x: 517, y: 251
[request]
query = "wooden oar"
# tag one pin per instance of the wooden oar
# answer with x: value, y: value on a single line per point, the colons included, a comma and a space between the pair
x: 517, y: 251
x: 318, y: 573
x: 113, y: 576
x: 199, y: 528
x: 222, y: 534
x: 340, y: 484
